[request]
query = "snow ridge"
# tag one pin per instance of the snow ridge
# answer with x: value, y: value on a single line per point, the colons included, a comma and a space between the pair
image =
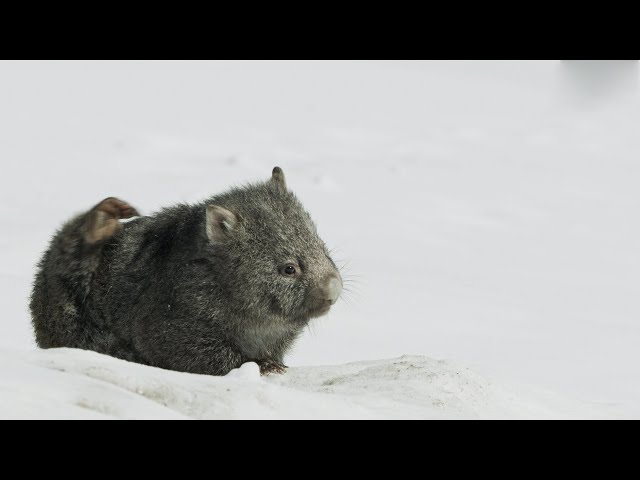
x: 70, y: 383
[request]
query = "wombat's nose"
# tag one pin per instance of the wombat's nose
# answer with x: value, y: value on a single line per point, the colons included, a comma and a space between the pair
x: 334, y: 289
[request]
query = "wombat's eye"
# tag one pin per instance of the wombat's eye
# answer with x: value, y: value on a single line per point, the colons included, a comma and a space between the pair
x: 289, y: 270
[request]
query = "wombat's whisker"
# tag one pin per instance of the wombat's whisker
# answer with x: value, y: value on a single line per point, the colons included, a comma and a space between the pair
x: 352, y: 284
x: 343, y: 266
x: 353, y: 287
x: 351, y: 290
x: 351, y: 279
x: 349, y: 297
x: 346, y: 298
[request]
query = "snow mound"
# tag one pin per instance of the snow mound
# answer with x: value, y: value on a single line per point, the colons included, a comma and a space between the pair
x: 70, y: 383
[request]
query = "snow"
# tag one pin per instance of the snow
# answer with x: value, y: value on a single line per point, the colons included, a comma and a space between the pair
x: 63, y: 383
x: 487, y: 212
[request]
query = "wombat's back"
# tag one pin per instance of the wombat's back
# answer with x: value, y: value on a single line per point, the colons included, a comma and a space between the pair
x: 70, y: 275
x: 60, y: 289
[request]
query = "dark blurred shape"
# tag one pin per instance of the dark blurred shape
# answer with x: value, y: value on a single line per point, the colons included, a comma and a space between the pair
x: 593, y: 79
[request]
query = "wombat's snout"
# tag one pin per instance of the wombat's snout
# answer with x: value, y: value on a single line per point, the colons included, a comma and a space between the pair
x: 333, y: 289
x: 325, y: 294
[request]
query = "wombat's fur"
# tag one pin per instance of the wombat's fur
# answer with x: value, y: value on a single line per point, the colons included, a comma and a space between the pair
x: 197, y: 288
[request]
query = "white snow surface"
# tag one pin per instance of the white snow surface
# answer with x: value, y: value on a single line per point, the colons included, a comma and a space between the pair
x: 487, y: 214
x: 70, y: 383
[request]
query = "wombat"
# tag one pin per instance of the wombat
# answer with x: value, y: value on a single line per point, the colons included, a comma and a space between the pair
x: 197, y: 288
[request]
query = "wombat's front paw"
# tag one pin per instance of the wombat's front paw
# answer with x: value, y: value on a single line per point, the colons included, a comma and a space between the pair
x: 102, y: 220
x: 268, y: 367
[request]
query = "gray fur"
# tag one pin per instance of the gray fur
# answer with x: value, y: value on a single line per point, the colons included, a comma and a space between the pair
x: 198, y: 288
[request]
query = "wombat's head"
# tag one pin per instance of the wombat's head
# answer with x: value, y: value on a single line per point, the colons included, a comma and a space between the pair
x: 267, y: 248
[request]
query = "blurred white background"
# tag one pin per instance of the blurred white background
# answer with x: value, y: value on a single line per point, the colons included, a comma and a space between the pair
x: 487, y: 211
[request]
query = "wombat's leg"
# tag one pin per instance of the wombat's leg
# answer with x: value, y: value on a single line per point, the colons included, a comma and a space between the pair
x: 102, y: 220
x: 268, y: 367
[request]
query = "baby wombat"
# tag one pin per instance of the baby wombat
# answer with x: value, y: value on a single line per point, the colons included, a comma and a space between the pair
x: 197, y: 288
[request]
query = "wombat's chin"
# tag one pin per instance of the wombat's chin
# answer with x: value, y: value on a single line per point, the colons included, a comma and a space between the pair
x: 318, y: 312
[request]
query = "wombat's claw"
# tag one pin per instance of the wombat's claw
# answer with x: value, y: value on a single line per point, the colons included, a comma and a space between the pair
x: 102, y: 221
x: 267, y: 367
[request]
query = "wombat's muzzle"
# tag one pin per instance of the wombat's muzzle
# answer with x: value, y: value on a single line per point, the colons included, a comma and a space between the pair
x: 333, y: 289
x: 324, y: 295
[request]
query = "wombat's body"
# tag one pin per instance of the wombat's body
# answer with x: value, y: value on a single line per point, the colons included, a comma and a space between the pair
x: 198, y: 288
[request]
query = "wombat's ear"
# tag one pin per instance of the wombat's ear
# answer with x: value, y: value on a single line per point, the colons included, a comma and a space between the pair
x: 220, y: 223
x: 277, y: 177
